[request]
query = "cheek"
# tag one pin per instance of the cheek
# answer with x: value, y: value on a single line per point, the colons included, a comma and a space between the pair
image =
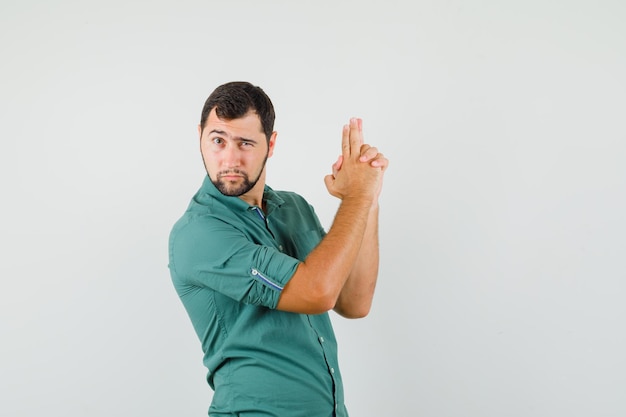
x: 208, y: 155
x: 208, y: 150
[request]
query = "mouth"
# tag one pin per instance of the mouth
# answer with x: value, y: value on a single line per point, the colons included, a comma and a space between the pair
x: 230, y: 177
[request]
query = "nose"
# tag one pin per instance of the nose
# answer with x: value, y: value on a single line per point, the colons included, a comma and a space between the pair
x: 231, y: 156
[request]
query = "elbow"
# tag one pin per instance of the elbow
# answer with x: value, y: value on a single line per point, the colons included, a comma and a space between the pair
x: 324, y: 301
x: 354, y: 304
x: 353, y: 311
x: 355, y: 315
x: 307, y: 296
x: 319, y: 299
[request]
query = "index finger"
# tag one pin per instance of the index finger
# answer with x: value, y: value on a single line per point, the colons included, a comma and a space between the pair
x: 356, y: 136
x: 345, y: 141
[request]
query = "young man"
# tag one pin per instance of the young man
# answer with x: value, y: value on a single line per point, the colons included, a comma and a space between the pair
x: 257, y: 273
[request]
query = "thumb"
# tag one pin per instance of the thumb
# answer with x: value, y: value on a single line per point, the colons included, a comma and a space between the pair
x: 329, y: 180
x: 337, y: 165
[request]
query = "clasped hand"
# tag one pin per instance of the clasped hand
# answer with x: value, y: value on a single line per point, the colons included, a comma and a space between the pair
x: 358, y: 172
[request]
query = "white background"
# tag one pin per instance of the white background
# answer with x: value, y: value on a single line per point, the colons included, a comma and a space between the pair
x: 502, y: 280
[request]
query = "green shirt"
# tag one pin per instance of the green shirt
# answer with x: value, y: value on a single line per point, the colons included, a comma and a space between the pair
x: 229, y: 261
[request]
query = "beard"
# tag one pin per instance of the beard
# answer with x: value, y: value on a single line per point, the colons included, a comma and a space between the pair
x: 234, y: 190
x: 230, y: 189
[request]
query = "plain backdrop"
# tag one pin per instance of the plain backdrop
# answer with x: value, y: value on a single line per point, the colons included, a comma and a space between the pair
x: 502, y: 279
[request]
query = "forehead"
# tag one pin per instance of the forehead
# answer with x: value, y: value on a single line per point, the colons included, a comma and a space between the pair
x: 247, y: 125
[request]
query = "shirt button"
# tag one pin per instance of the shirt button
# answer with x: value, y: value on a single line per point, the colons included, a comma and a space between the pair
x: 332, y: 370
x: 280, y: 248
x: 321, y: 339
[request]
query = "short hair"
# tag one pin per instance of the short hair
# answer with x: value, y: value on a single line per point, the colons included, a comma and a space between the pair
x: 234, y: 99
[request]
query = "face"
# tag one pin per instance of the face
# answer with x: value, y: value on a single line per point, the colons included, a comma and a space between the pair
x: 234, y: 154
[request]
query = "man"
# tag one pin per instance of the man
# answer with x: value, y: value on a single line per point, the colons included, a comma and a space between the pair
x: 257, y: 273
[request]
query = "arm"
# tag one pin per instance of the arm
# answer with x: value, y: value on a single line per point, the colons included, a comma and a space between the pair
x: 319, y: 280
x: 355, y: 299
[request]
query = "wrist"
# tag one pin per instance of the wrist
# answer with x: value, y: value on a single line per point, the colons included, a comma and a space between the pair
x: 360, y: 201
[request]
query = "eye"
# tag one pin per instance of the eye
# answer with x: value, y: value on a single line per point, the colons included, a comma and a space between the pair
x: 246, y: 143
x: 217, y: 141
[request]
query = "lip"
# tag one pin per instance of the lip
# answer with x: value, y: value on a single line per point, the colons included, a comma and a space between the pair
x: 231, y: 177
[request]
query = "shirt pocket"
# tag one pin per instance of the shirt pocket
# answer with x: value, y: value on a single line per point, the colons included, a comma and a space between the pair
x: 303, y: 243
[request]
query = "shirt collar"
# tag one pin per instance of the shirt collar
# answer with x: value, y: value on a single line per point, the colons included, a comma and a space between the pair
x: 271, y: 198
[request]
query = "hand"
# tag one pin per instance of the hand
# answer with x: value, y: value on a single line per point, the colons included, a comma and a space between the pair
x: 371, y: 155
x: 359, y: 154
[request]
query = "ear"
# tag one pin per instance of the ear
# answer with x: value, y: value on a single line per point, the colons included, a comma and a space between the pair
x: 272, y: 142
x: 200, y: 131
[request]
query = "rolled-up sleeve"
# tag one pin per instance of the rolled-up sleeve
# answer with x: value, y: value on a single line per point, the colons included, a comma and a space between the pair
x: 206, y: 252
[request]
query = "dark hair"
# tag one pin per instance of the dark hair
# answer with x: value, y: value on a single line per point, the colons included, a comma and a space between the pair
x: 235, y: 99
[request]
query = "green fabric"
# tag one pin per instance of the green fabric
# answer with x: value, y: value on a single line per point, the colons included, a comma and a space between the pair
x: 229, y: 262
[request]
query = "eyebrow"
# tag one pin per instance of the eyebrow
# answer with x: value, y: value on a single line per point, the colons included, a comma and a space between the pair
x: 221, y: 132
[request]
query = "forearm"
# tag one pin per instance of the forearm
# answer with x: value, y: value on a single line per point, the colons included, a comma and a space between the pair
x: 356, y: 296
x: 320, y: 278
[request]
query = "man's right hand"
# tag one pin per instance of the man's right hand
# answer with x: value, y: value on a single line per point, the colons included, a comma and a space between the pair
x: 358, y: 172
x: 319, y: 280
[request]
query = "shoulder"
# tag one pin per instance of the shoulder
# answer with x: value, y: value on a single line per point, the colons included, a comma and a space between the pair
x: 207, y: 226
